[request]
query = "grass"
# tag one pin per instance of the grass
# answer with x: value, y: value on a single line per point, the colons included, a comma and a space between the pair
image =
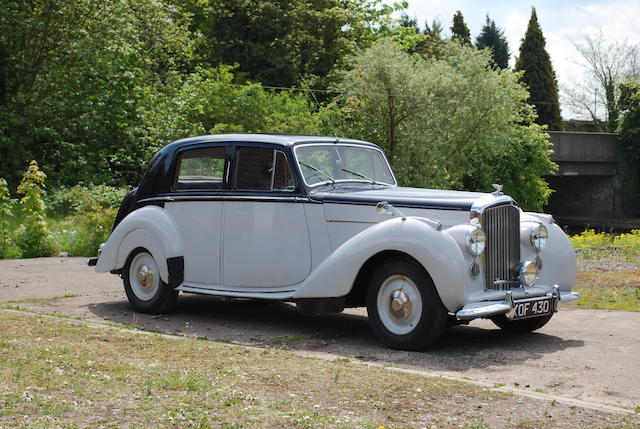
x: 54, y: 373
x: 608, y: 289
x: 34, y: 299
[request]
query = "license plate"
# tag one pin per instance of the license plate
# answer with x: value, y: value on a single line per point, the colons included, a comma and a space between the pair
x: 535, y: 308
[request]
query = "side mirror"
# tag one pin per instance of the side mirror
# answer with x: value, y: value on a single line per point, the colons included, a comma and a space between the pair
x: 384, y: 208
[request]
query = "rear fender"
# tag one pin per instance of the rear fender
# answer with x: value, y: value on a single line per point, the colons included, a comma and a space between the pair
x: 149, y: 227
x: 419, y: 238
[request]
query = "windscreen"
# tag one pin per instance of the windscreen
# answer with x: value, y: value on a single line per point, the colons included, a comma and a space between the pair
x: 339, y: 163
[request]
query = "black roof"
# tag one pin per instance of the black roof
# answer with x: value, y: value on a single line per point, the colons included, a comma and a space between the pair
x: 283, y: 139
x: 157, y: 178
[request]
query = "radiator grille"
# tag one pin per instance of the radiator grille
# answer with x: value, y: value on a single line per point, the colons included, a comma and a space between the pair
x: 501, y: 225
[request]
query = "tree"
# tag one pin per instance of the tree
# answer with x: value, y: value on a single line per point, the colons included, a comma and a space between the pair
x: 453, y: 122
x: 629, y: 144
x: 493, y: 38
x: 78, y: 77
x: 459, y: 29
x: 607, y: 66
x: 538, y: 75
x: 432, y: 46
x: 274, y: 42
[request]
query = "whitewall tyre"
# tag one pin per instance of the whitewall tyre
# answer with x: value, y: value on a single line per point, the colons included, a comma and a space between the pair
x: 146, y: 291
x: 404, y: 308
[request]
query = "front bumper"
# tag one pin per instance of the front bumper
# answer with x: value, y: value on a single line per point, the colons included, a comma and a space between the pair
x: 506, y: 305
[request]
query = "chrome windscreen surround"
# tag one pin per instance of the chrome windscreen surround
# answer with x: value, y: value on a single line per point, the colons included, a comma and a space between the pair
x: 501, y: 224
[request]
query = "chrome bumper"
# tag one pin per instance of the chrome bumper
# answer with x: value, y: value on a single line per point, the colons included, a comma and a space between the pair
x: 475, y: 310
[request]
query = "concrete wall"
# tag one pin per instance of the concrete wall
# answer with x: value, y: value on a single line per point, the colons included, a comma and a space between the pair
x: 586, y: 184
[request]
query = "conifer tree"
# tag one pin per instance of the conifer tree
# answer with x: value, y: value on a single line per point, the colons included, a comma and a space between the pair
x: 493, y: 37
x: 539, y: 76
x: 459, y: 29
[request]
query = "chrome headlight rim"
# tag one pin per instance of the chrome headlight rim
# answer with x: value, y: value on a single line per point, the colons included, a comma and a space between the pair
x: 476, y: 241
x: 528, y: 273
x: 539, y: 236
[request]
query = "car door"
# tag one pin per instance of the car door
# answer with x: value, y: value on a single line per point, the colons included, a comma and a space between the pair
x: 196, y: 207
x: 266, y: 240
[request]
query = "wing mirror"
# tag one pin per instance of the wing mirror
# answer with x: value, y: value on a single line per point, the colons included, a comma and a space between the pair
x: 384, y: 208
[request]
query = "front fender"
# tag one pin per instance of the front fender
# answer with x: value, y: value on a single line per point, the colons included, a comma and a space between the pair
x: 150, y: 227
x: 435, y: 250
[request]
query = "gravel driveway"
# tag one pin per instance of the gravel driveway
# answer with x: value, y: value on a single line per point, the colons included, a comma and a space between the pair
x: 582, y: 353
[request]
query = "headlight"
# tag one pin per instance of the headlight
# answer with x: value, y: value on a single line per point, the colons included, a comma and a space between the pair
x: 476, y: 241
x: 528, y: 273
x: 539, y: 236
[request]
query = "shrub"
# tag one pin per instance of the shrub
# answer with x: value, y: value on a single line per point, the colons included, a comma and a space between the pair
x: 589, y: 238
x: 93, y: 229
x: 67, y: 201
x: 6, y: 204
x: 33, y: 236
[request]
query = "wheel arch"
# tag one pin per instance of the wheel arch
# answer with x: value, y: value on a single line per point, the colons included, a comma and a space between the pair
x: 149, y: 227
x: 343, y: 272
x: 357, y: 296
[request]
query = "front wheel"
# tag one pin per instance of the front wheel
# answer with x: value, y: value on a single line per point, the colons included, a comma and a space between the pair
x: 146, y: 291
x: 403, y: 305
x: 520, y: 326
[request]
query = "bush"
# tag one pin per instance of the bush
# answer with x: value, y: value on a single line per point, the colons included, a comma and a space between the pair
x: 67, y: 201
x: 6, y: 205
x: 33, y: 236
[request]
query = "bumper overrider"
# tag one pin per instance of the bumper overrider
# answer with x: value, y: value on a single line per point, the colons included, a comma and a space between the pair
x: 520, y: 303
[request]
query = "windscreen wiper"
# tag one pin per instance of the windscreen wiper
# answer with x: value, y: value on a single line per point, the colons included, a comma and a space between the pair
x: 362, y: 176
x: 317, y: 170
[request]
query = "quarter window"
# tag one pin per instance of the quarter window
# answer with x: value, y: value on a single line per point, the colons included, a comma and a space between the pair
x: 262, y: 169
x: 201, y: 168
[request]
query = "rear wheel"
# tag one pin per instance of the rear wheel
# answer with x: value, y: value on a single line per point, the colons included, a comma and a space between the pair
x: 403, y: 305
x: 520, y: 326
x: 146, y: 291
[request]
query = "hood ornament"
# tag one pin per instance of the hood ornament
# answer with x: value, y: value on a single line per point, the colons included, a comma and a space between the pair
x: 498, y: 190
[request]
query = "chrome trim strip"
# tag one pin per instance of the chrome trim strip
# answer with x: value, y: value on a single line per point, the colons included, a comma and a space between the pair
x: 281, y: 295
x: 168, y: 198
x: 491, y: 309
x: 569, y: 296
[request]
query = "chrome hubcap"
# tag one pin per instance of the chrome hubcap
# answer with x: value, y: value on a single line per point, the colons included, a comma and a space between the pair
x: 145, y: 276
x: 399, y: 304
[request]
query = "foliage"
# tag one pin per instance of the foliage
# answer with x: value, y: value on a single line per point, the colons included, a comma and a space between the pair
x: 607, y: 65
x: 592, y: 244
x: 78, y: 76
x: 492, y: 37
x: 6, y: 205
x: 66, y: 201
x: 207, y: 102
x: 459, y: 30
x: 538, y: 75
x: 274, y: 42
x: 33, y: 236
x: 629, y: 145
x: 446, y: 123
x: 82, y: 234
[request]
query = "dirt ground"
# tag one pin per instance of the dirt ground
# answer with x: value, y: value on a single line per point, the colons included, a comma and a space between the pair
x: 582, y: 353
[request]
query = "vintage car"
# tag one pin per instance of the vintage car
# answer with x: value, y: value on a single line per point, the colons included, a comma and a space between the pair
x: 321, y: 222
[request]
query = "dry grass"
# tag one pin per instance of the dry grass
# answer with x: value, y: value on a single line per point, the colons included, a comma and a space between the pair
x: 54, y: 373
x: 611, y: 290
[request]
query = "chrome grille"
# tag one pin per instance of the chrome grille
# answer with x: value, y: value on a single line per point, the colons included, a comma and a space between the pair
x: 501, y: 225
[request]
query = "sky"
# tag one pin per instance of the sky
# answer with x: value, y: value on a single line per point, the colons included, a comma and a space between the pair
x: 561, y: 21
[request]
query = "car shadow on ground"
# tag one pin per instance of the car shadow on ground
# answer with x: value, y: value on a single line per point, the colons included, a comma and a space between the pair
x: 276, y: 324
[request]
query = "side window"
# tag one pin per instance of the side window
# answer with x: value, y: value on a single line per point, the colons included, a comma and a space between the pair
x: 201, y: 169
x: 262, y: 169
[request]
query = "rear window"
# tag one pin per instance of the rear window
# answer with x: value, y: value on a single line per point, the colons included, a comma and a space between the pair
x: 202, y: 169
